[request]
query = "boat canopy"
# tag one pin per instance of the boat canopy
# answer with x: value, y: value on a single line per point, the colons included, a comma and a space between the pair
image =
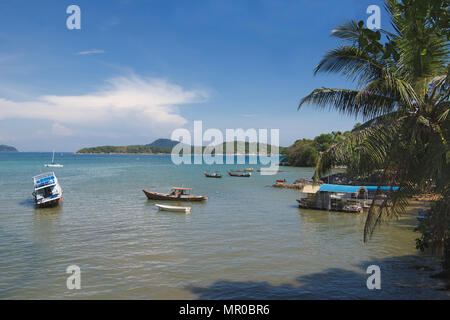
x: 44, y: 180
x: 179, y: 188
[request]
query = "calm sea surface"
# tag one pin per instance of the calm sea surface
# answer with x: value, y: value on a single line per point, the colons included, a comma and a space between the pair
x: 247, y: 241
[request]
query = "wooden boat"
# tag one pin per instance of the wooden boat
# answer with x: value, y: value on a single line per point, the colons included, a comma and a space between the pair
x: 177, y: 194
x: 243, y: 170
x: 47, y: 191
x: 173, y: 208
x: 239, y: 174
x: 212, y: 175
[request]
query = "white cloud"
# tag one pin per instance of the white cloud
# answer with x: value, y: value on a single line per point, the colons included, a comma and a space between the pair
x: 126, y: 104
x: 93, y: 51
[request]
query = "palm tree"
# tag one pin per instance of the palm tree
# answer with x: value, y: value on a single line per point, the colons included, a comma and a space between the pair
x: 402, y: 94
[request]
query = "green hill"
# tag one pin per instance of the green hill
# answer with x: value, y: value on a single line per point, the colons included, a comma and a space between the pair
x: 246, y: 147
x: 165, y: 146
x: 157, y: 146
x: 163, y: 143
x: 118, y: 149
x: 5, y: 148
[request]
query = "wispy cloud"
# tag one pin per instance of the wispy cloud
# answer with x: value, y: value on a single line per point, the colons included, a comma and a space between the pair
x: 93, y: 51
x: 124, y: 105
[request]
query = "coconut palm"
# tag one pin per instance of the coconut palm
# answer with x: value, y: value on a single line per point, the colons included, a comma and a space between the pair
x: 402, y: 93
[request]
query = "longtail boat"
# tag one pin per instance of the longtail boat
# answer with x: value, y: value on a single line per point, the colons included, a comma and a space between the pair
x: 212, y: 175
x: 243, y: 170
x: 177, y: 194
x: 239, y: 174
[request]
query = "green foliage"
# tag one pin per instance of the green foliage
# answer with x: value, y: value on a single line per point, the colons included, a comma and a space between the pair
x: 402, y: 93
x: 306, y: 152
x: 245, y: 147
x: 124, y: 149
x: 435, y: 228
x: 163, y: 143
x: 155, y: 147
x: 310, y: 156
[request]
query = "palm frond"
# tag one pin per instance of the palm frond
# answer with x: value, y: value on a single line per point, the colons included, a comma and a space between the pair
x: 368, y: 104
x: 352, y: 62
x: 365, y: 148
x: 349, y: 30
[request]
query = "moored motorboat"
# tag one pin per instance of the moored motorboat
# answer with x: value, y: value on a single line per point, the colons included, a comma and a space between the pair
x: 177, y: 194
x: 173, y: 208
x: 239, y: 174
x: 47, y: 191
x: 281, y: 180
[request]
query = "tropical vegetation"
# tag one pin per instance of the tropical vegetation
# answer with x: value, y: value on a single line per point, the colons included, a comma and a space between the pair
x: 306, y: 152
x: 401, y: 91
x: 165, y: 146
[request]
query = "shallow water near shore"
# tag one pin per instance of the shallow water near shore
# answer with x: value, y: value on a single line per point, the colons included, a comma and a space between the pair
x: 247, y: 241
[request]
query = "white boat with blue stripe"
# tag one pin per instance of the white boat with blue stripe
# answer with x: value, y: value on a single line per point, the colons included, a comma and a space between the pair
x: 47, y: 191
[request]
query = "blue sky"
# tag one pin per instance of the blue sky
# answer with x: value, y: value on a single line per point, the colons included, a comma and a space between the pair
x: 139, y: 69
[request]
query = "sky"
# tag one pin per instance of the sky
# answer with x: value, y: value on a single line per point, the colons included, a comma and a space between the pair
x: 139, y: 69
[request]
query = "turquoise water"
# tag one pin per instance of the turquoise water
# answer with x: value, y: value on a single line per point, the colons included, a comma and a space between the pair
x: 248, y: 240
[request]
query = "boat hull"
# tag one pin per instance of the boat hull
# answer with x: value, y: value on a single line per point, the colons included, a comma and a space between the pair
x: 49, y: 204
x: 242, y: 175
x: 213, y: 176
x: 151, y: 195
x: 174, y: 208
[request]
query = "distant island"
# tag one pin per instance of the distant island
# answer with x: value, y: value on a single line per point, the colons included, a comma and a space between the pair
x: 157, y: 146
x: 164, y: 146
x: 5, y: 148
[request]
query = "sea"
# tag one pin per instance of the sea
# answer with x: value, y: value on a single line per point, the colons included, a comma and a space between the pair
x: 247, y: 241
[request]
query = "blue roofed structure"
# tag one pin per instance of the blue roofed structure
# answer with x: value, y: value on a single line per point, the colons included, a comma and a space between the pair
x: 339, y: 188
x: 347, y: 198
x: 352, y: 189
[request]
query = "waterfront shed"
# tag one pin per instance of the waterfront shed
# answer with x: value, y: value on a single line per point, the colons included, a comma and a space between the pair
x: 335, y: 196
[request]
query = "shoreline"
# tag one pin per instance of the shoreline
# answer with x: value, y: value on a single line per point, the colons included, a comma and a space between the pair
x: 192, y: 154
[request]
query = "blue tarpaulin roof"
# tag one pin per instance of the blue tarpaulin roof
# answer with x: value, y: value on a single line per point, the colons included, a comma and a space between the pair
x: 339, y: 188
x: 351, y: 189
x: 384, y: 188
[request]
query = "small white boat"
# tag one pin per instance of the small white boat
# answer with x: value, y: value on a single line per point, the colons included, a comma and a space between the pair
x: 53, y: 164
x: 353, y: 208
x: 173, y: 208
